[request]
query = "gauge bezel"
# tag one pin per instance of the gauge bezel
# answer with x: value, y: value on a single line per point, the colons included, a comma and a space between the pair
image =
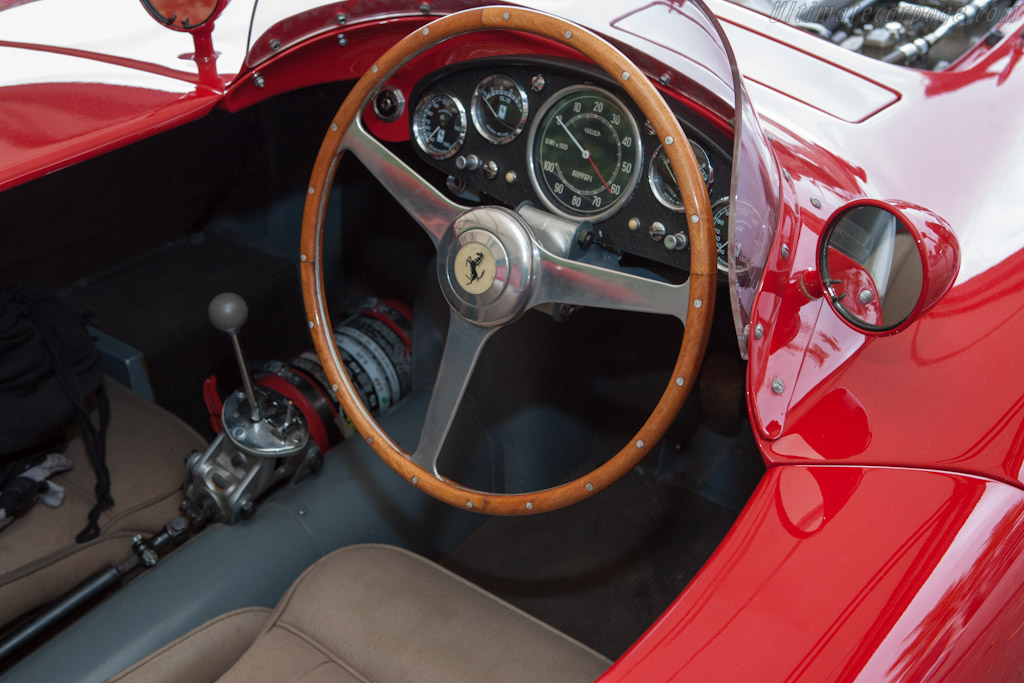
x: 417, y: 129
x: 656, y: 188
x: 476, y: 113
x: 715, y: 209
x: 531, y: 166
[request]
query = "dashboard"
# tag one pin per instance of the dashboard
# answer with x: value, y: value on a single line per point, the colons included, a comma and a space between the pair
x: 560, y: 136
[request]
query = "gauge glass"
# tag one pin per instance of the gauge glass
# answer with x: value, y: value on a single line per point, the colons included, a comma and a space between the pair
x: 720, y: 220
x: 499, y: 109
x: 585, y: 153
x: 439, y: 124
x: 663, y: 180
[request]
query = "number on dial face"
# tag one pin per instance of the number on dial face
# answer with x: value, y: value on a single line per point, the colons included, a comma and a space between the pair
x: 586, y: 153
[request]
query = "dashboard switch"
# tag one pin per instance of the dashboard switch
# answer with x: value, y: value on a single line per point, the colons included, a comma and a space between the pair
x: 657, y: 231
x: 676, y: 242
x: 470, y: 163
x: 490, y: 170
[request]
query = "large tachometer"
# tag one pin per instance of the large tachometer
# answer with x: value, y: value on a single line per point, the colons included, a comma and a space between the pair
x: 586, y: 153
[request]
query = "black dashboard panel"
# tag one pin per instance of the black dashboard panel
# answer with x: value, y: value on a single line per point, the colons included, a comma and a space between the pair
x: 501, y: 170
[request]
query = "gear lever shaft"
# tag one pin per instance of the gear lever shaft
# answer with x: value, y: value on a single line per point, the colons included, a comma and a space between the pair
x: 228, y: 312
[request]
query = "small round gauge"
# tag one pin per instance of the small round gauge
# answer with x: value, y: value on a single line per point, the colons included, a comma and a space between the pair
x: 720, y: 219
x: 499, y: 109
x: 439, y: 124
x: 585, y: 153
x: 663, y: 180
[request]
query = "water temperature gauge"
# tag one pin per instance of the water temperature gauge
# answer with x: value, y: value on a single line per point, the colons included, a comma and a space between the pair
x: 439, y: 124
x: 499, y: 109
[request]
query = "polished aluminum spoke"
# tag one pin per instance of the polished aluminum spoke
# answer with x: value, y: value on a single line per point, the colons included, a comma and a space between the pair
x: 431, y: 209
x: 563, y: 281
x: 461, y: 351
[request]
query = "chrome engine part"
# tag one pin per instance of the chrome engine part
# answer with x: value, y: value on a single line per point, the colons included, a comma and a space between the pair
x: 249, y: 458
x: 925, y: 34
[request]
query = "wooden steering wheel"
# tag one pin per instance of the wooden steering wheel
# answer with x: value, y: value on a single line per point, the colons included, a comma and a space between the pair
x: 525, y: 273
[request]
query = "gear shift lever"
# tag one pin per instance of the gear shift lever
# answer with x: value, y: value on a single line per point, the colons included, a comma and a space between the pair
x: 228, y: 312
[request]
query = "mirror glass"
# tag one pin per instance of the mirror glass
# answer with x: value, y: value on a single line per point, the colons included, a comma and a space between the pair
x: 183, y: 15
x: 871, y: 268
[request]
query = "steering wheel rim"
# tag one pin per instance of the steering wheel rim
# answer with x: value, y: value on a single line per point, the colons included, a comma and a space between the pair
x: 436, y: 214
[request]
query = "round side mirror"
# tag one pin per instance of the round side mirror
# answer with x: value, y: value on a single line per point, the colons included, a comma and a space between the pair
x: 883, y: 264
x: 184, y: 15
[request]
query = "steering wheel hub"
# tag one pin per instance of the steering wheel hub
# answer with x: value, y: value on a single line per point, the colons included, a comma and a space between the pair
x: 486, y: 265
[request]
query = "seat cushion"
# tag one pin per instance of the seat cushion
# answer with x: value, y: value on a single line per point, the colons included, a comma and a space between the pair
x: 203, y: 654
x: 381, y: 614
x: 146, y: 451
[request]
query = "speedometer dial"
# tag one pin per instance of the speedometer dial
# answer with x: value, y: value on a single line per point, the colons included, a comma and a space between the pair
x: 585, y: 153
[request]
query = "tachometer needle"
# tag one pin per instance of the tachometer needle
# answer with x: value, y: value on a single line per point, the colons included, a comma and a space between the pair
x: 603, y: 182
x: 586, y: 154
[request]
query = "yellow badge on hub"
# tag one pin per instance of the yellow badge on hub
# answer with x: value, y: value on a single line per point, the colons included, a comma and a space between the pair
x: 474, y: 268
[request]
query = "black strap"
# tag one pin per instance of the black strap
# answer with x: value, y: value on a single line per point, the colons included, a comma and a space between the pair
x: 93, y: 437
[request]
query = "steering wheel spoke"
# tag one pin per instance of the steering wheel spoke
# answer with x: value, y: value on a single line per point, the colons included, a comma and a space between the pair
x: 564, y: 281
x: 461, y: 351
x: 431, y: 209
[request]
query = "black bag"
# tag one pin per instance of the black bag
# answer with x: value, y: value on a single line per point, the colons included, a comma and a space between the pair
x: 48, y: 366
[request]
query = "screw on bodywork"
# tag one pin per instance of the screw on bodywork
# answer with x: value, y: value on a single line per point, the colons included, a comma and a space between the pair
x: 257, y: 79
x: 785, y: 174
x: 785, y: 251
x: 865, y: 296
x: 777, y: 386
x: 341, y: 17
x: 342, y: 40
x: 275, y: 44
x: 665, y: 79
x: 424, y: 8
x: 815, y: 202
x: 758, y: 331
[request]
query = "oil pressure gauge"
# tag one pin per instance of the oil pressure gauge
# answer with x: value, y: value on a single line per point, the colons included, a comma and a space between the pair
x: 439, y: 124
x: 499, y: 109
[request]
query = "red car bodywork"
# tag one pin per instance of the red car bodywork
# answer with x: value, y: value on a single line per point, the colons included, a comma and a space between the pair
x: 885, y: 540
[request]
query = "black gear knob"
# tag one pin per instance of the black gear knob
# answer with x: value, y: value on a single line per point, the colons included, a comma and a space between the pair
x: 228, y: 312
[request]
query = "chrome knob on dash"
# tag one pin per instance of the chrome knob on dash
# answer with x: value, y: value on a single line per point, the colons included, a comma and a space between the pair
x: 676, y: 242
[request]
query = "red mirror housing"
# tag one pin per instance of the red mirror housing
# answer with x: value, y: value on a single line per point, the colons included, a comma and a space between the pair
x: 868, y: 268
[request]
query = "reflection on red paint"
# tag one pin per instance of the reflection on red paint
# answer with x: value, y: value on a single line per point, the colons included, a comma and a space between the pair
x: 848, y: 573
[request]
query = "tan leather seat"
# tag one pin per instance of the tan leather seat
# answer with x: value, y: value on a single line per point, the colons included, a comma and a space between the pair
x: 375, y: 613
x: 146, y: 451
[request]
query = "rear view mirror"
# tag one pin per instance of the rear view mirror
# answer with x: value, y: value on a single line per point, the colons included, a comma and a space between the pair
x: 883, y: 264
x: 184, y: 15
